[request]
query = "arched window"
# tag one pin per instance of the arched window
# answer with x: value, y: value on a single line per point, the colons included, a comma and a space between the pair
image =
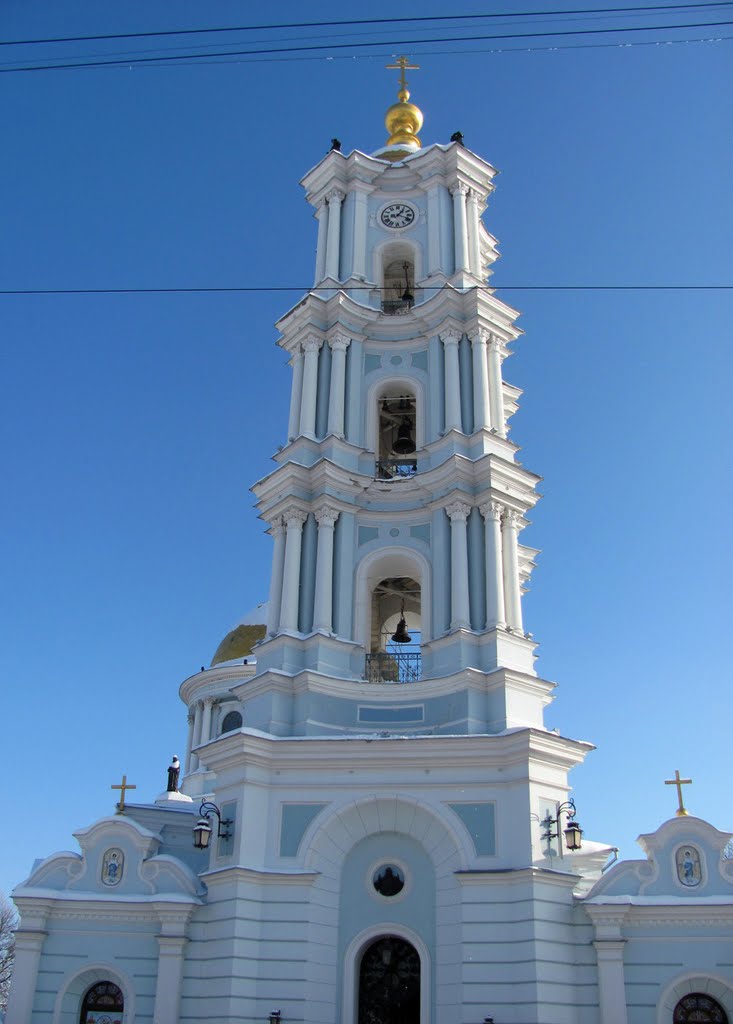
x: 102, y: 1004
x: 697, y: 1008
x: 232, y: 721
x: 398, y: 278
x: 397, y: 434
x: 396, y: 631
x: 389, y: 982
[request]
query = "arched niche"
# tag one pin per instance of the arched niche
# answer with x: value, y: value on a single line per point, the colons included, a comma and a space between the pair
x: 391, y: 401
x: 397, y: 269
x: 71, y: 993
x: 396, y: 563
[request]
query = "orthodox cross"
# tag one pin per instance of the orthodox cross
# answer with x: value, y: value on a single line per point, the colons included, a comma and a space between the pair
x: 679, y: 783
x: 402, y: 64
x: 123, y: 787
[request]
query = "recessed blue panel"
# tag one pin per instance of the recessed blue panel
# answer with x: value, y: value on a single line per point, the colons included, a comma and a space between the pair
x: 403, y: 714
x: 479, y: 819
x: 294, y: 820
x: 367, y: 533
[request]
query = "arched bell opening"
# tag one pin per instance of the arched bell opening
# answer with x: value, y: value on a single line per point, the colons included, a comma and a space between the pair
x: 397, y: 434
x: 397, y: 279
x: 396, y: 631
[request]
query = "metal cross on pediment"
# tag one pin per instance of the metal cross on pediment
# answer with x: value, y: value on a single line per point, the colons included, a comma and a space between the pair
x: 402, y: 64
x: 123, y: 787
x: 679, y: 783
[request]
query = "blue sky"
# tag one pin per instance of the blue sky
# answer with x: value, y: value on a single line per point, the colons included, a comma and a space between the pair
x: 133, y: 425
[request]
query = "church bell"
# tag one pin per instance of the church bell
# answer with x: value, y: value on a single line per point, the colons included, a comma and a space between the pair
x: 400, y: 635
x: 404, y: 442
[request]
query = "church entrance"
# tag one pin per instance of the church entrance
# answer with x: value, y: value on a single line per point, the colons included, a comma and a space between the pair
x: 389, y: 983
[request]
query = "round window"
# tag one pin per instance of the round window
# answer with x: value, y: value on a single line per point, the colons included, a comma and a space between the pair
x: 388, y: 880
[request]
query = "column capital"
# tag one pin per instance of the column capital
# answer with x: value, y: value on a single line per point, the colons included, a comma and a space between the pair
x: 190, y: 717
x: 491, y: 510
x: 495, y: 343
x: 512, y: 518
x: 295, y: 517
x: 326, y: 515
x: 458, y: 511
x: 460, y: 189
x: 473, y: 195
x: 209, y: 702
x: 335, y: 195
x: 312, y: 343
x: 480, y: 336
x: 339, y: 342
x: 450, y: 337
x: 296, y: 352
x: 277, y: 526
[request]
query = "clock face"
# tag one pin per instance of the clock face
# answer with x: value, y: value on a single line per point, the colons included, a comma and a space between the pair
x: 397, y: 215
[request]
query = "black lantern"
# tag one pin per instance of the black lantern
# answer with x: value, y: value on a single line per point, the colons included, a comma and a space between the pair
x: 573, y: 835
x: 275, y: 1017
x: 203, y: 830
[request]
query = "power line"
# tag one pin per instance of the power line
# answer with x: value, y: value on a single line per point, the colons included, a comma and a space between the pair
x: 642, y: 9
x: 350, y: 46
x: 239, y: 289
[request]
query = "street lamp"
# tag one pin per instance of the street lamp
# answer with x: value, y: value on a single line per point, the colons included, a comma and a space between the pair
x: 203, y: 830
x: 551, y: 826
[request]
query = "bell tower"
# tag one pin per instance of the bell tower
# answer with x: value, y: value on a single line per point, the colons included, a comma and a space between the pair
x: 397, y: 504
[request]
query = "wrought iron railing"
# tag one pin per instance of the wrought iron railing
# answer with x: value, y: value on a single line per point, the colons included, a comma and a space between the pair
x: 393, y: 469
x: 385, y: 667
x: 397, y: 307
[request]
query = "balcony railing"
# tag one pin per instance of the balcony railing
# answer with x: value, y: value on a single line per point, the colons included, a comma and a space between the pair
x: 395, y: 469
x: 385, y: 667
x: 397, y: 307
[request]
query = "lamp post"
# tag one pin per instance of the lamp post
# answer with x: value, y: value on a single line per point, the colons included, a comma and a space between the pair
x: 203, y: 830
x: 551, y: 826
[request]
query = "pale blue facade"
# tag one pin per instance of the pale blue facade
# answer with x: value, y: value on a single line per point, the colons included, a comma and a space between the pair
x: 384, y: 800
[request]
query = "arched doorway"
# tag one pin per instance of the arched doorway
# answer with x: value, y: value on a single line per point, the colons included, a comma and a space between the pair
x: 389, y: 983
x: 697, y: 1008
x: 102, y: 1004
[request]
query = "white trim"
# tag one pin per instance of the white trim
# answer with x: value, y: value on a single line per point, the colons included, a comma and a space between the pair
x: 76, y: 985
x: 714, y: 985
x: 352, y: 963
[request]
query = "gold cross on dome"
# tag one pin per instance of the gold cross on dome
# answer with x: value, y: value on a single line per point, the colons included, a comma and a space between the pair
x: 402, y: 64
x: 123, y: 787
x: 679, y: 783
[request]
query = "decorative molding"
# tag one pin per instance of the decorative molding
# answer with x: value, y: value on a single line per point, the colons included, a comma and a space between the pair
x: 335, y: 195
x: 277, y: 526
x: 460, y: 189
x: 339, y: 342
x: 312, y: 343
x: 480, y: 336
x: 294, y: 517
x: 450, y: 337
x: 512, y: 519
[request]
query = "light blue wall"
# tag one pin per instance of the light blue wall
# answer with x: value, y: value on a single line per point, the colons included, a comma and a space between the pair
x: 476, y: 569
x: 324, y: 381
x: 308, y: 573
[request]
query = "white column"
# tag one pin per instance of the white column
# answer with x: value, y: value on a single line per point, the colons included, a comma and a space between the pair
x: 434, y: 257
x: 458, y: 513
x: 510, y: 552
x: 28, y: 946
x: 322, y: 218
x: 495, y: 615
x: 323, y: 604
x: 337, y: 394
x: 189, y: 743
x: 452, y: 381
x: 296, y: 392
x: 496, y: 392
x: 611, y: 987
x: 276, y: 580
x: 197, y: 714
x: 294, y: 519
x: 206, y: 721
x: 474, y: 238
x: 481, y: 399
x: 335, y: 197
x: 360, y: 234
x: 311, y: 347
x: 170, y: 979
x: 460, y: 233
